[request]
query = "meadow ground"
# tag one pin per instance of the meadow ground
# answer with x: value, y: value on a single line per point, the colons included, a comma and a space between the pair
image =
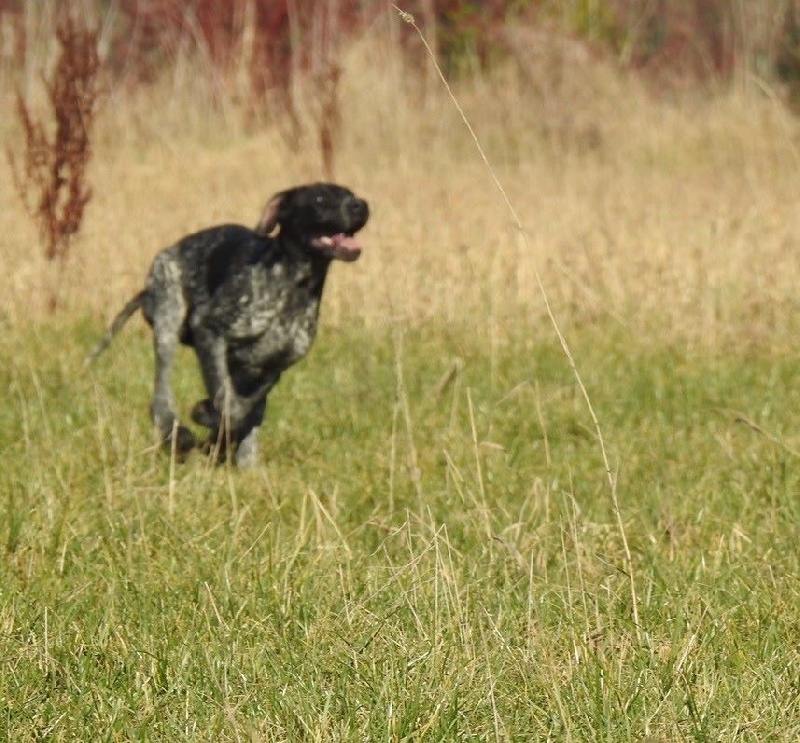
x: 430, y: 548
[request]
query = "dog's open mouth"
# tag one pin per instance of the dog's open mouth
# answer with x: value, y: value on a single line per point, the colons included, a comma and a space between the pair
x: 342, y: 246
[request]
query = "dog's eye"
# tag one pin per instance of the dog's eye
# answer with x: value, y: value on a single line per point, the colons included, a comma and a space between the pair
x: 320, y: 199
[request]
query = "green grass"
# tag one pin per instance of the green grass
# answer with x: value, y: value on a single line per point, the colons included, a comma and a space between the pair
x: 428, y: 551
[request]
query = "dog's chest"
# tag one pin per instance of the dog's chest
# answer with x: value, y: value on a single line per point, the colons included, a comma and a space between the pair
x: 274, y: 315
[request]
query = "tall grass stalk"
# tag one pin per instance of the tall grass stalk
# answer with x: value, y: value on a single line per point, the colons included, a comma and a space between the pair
x: 610, y: 475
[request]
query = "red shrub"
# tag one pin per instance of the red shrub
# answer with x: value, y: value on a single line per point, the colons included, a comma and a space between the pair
x: 679, y: 41
x: 288, y: 37
x: 52, y: 183
x: 13, y: 37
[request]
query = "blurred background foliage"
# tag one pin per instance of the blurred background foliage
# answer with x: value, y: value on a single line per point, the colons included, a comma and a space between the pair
x: 673, y: 43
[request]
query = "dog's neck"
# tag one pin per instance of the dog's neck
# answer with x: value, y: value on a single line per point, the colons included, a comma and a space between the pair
x: 305, y: 268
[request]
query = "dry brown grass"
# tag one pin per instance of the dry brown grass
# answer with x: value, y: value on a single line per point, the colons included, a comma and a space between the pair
x: 672, y: 217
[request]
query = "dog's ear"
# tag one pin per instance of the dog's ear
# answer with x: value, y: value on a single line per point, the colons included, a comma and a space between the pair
x: 270, y: 216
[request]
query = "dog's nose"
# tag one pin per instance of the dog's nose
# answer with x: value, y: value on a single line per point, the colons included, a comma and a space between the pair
x: 357, y: 209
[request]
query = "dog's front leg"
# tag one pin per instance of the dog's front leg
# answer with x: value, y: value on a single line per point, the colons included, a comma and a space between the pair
x: 229, y: 408
x: 204, y: 412
x: 246, y: 436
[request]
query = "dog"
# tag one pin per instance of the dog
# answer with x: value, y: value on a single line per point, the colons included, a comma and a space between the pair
x: 247, y: 301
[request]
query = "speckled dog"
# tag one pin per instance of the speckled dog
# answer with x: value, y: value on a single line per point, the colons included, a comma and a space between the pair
x: 248, y: 303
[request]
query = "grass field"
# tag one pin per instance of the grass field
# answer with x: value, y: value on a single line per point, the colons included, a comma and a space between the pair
x: 429, y: 549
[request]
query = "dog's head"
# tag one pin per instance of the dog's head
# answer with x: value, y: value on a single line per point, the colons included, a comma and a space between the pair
x: 323, y: 216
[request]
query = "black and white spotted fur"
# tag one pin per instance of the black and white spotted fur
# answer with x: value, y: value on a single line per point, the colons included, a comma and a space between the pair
x: 248, y: 303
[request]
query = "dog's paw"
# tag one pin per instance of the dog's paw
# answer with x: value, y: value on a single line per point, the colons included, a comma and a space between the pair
x: 215, y: 448
x: 184, y: 441
x: 204, y: 414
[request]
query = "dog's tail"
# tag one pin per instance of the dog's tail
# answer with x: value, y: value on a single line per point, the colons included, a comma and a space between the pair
x: 123, y: 317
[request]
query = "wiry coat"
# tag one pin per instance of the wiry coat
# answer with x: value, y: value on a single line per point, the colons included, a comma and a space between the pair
x: 248, y: 303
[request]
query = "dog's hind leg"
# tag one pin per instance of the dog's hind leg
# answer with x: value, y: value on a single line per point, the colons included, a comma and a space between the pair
x: 165, y: 307
x: 162, y: 408
x: 247, y: 450
x: 247, y: 436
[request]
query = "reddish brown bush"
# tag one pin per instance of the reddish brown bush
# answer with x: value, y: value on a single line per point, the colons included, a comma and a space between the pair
x: 464, y: 33
x: 288, y: 37
x: 788, y: 50
x: 52, y: 180
x: 13, y: 37
x: 679, y: 40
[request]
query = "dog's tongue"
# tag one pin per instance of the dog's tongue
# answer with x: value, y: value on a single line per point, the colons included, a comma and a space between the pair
x: 342, y: 247
x: 350, y: 242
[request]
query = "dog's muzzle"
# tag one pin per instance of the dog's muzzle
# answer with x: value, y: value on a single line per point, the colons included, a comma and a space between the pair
x: 345, y: 246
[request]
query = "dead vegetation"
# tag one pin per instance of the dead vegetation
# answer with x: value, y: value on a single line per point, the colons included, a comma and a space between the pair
x: 50, y: 174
